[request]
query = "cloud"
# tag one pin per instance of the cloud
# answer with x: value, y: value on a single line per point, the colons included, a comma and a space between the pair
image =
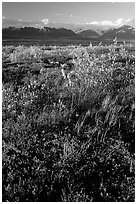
x: 45, y: 21
x: 119, y: 21
x: 7, y: 22
x: 116, y: 23
x: 58, y: 14
x: 94, y: 23
x: 37, y: 25
x: 107, y: 23
x: 131, y: 22
x: 128, y: 20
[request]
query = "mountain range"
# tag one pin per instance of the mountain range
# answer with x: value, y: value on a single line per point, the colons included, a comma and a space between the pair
x: 125, y: 32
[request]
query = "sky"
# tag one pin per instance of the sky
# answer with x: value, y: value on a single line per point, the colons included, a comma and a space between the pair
x: 43, y: 13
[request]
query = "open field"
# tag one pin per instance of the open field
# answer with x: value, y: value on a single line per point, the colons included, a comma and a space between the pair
x: 68, y: 123
x: 48, y: 41
x: 57, y: 42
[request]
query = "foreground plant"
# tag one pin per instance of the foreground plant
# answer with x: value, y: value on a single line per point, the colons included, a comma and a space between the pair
x: 68, y: 124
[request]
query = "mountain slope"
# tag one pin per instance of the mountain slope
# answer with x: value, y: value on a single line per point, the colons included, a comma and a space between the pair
x: 124, y: 32
x: 88, y: 33
x: 45, y: 32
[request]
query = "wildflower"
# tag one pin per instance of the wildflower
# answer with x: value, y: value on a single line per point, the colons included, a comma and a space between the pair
x: 106, y: 102
x: 115, y: 40
x: 63, y: 73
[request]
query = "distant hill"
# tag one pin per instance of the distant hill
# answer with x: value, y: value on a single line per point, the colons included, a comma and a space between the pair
x: 45, y: 32
x: 58, y: 32
x: 80, y: 27
x: 88, y: 33
x: 124, y: 32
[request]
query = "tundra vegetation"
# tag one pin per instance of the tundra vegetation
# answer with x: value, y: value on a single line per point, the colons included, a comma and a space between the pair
x: 68, y: 123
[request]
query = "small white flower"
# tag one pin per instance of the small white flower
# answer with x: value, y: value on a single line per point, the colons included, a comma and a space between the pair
x: 63, y: 73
